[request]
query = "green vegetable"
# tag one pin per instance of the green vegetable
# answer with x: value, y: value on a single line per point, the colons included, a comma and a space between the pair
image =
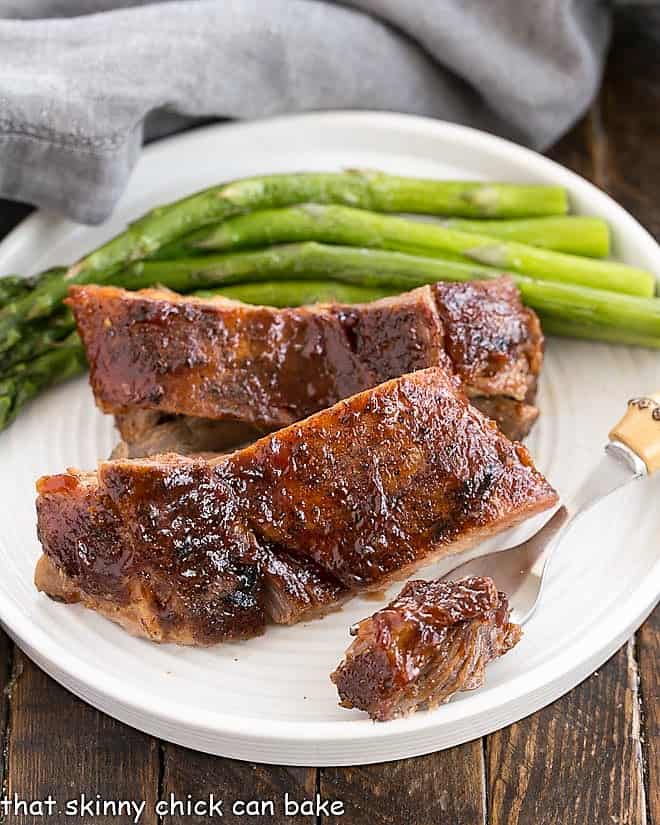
x: 381, y: 269
x: 395, y: 271
x: 15, y: 294
x: 15, y: 286
x: 553, y: 325
x: 337, y: 224
x: 301, y: 262
x: 360, y: 228
x: 37, y: 338
x: 368, y: 190
x: 297, y: 293
x: 28, y: 380
x: 636, y: 317
x: 12, y: 287
x: 575, y: 234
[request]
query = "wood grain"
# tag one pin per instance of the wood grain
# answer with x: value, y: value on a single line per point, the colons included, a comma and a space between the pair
x: 61, y: 746
x: 445, y: 788
x: 630, y: 114
x: 630, y: 117
x: 578, y: 760
x: 576, y: 149
x: 186, y: 772
x: 648, y: 654
x: 6, y: 664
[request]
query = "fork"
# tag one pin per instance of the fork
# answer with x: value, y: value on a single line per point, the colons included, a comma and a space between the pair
x: 632, y: 452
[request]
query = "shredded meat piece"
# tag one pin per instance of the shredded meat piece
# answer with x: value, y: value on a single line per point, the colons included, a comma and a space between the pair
x: 433, y: 640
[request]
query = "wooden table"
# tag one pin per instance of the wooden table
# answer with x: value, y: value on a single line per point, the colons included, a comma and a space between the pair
x: 591, y: 758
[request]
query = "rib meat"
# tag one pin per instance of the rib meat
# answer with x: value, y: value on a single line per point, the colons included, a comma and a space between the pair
x: 433, y: 640
x: 196, y: 551
x: 241, y: 369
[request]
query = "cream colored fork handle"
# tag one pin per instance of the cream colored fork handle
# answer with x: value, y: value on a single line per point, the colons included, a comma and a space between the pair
x: 639, y: 429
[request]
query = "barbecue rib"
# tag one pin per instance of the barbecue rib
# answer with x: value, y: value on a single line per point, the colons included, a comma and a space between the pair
x: 197, y: 551
x: 190, y: 375
x: 433, y: 640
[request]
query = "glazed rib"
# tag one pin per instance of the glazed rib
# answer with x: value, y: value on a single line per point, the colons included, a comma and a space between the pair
x: 258, y: 368
x: 197, y: 551
x: 433, y: 640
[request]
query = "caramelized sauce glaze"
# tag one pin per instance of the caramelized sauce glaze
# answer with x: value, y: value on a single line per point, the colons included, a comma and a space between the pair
x: 434, y: 639
x: 345, y: 500
x: 223, y: 360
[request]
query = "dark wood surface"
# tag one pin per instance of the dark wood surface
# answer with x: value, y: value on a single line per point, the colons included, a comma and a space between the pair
x: 590, y: 758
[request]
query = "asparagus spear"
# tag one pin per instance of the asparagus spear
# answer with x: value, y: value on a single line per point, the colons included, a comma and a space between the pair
x: 370, y: 190
x: 336, y: 224
x: 15, y: 286
x: 554, y: 325
x: 305, y: 261
x: 16, y: 292
x: 632, y: 315
x: 397, y: 271
x: 391, y: 270
x: 28, y: 380
x: 38, y: 338
x: 357, y: 227
x: 575, y: 234
x: 297, y: 293
x: 12, y: 287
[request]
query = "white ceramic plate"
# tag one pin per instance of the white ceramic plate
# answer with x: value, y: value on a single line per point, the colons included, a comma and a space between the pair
x: 270, y: 699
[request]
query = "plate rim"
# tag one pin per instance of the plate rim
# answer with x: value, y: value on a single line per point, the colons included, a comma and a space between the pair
x: 242, y: 732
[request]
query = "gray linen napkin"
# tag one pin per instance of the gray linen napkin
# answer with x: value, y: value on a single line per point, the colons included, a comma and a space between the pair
x: 79, y: 77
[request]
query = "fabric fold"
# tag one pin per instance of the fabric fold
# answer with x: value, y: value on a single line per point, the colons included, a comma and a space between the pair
x: 78, y: 79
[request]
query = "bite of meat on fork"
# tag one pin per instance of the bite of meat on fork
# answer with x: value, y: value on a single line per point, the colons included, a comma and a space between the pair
x: 433, y: 640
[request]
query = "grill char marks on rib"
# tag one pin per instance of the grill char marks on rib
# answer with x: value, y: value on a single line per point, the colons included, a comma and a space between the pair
x: 111, y: 548
x: 493, y: 342
x: 264, y: 368
x: 288, y: 527
x: 433, y: 640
